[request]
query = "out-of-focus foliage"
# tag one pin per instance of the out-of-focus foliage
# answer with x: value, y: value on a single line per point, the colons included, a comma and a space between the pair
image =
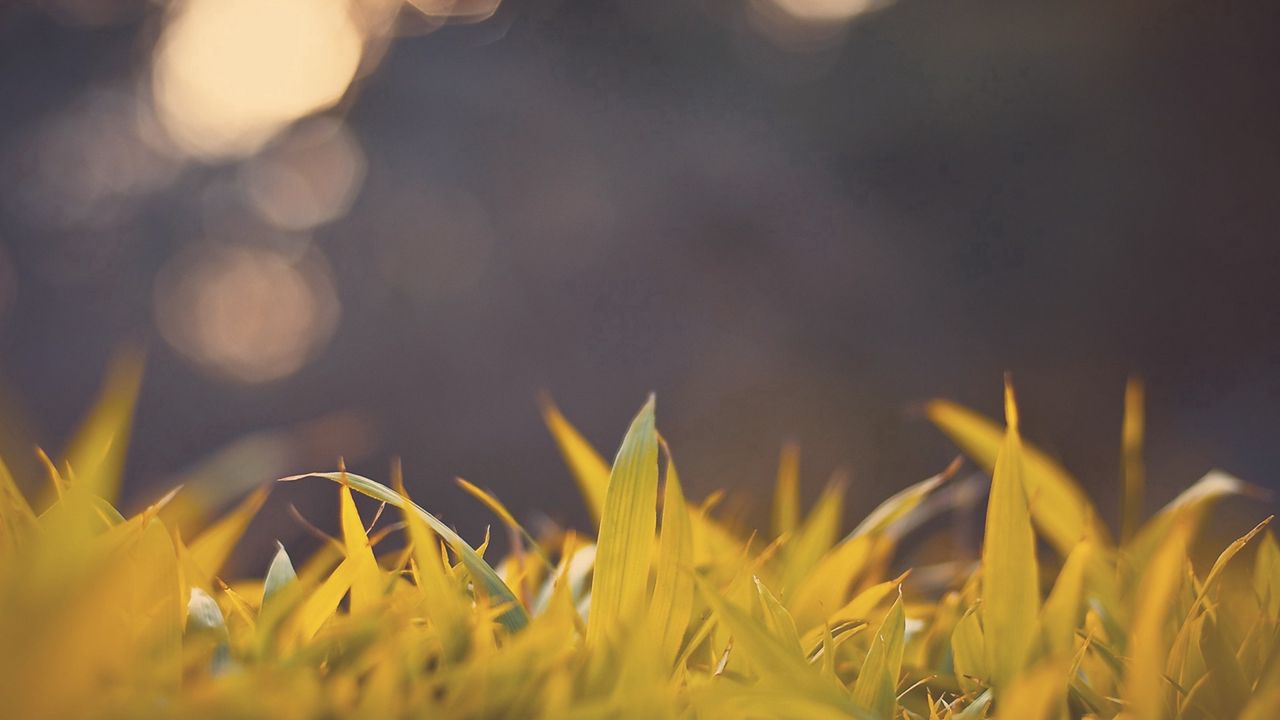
x: 667, y: 610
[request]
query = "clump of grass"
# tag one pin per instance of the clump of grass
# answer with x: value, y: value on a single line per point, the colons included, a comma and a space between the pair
x: 666, y: 610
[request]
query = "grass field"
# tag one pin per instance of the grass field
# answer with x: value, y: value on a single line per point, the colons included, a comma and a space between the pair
x: 665, y: 609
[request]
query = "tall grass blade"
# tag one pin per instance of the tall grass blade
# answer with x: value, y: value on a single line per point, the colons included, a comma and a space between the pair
x: 589, y: 469
x: 627, y: 530
x: 97, y: 450
x: 1133, y: 476
x: 1010, y: 572
x: 1062, y: 511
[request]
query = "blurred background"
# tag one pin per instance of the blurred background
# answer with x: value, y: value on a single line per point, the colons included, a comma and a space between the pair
x: 374, y: 228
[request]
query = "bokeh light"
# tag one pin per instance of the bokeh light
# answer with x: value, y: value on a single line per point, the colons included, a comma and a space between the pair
x: 457, y: 10
x: 230, y: 74
x: 806, y: 25
x: 87, y: 166
x: 246, y: 313
x: 309, y: 178
x: 826, y: 10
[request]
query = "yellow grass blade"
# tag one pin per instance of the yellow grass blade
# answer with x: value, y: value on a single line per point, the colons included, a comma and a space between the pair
x: 1062, y: 511
x: 1220, y: 564
x: 489, y: 501
x: 725, y: 701
x: 1145, y: 688
x: 876, y: 687
x: 1010, y: 573
x: 495, y: 506
x: 1036, y: 695
x: 898, y: 505
x: 1266, y: 575
x: 97, y: 450
x: 1190, y: 630
x: 323, y: 603
x: 814, y: 538
x: 975, y: 710
x: 1227, y: 688
x: 366, y: 577
x: 1190, y: 506
x: 16, y: 516
x: 673, y: 590
x: 1134, y: 474
x: 775, y: 617
x: 786, y: 495
x: 859, y: 608
x: 589, y: 469
x: 447, y: 606
x: 1063, y: 609
x: 828, y: 585
x: 211, y: 548
x: 968, y: 651
x: 627, y: 530
x: 777, y: 664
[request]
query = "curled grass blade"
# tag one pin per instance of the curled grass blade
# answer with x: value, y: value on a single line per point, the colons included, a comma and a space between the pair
x: 513, y: 617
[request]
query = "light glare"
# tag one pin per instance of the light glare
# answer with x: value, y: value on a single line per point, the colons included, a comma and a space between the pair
x: 230, y: 74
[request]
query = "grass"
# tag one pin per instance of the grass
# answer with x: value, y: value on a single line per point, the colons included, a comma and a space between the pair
x: 665, y: 610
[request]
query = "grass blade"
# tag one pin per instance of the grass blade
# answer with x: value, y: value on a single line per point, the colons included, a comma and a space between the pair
x: 1062, y: 610
x: 1133, y: 476
x: 366, y: 578
x: 212, y: 547
x: 1190, y: 507
x: 786, y: 495
x: 673, y: 588
x: 876, y: 687
x: 97, y: 451
x: 514, y: 617
x: 1145, y: 687
x: 1062, y: 511
x: 589, y: 469
x: 280, y: 575
x: 627, y: 530
x: 1010, y: 573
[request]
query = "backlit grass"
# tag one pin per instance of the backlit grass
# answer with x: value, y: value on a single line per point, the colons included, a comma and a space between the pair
x: 664, y: 609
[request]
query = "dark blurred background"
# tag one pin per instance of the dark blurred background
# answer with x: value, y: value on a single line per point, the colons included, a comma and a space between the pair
x: 377, y: 228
